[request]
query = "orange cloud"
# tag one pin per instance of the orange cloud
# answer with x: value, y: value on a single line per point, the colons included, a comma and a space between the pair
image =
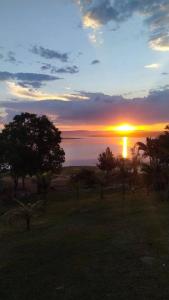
x: 24, y: 92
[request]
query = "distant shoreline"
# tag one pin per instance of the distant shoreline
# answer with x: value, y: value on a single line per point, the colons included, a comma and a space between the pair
x: 71, y: 138
x: 104, y: 134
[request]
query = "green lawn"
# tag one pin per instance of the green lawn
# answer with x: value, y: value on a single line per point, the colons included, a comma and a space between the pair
x: 89, y: 250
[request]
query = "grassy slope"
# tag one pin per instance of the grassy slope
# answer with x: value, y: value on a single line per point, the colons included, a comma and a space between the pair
x: 113, y: 249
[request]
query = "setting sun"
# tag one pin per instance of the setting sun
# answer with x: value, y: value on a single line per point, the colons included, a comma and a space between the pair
x: 125, y: 128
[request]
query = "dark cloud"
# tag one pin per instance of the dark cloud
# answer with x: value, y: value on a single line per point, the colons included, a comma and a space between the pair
x: 100, y: 109
x: 95, y: 61
x: 34, y: 80
x: 69, y: 70
x: 155, y: 13
x: 32, y: 84
x: 11, y: 57
x: 28, y: 77
x: 102, y: 11
x: 34, y: 77
x: 164, y: 73
x: 50, y: 54
x: 46, y: 67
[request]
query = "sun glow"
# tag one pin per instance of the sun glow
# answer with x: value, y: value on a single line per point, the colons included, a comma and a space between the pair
x: 125, y: 128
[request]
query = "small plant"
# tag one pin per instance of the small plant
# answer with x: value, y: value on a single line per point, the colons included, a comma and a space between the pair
x: 24, y: 212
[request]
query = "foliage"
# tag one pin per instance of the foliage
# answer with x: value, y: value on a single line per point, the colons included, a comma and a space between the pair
x: 156, y: 170
x: 85, y: 177
x: 107, y: 161
x: 43, y: 181
x: 31, y: 145
x: 24, y: 212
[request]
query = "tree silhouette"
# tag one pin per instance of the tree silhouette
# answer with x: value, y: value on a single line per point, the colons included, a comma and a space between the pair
x: 157, y: 169
x: 107, y: 162
x: 31, y: 145
x: 135, y: 166
x: 150, y: 149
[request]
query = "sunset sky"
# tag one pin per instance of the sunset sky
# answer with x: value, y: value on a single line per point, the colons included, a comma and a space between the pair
x: 87, y: 64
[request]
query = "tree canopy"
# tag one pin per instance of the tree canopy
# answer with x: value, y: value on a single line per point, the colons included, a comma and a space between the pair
x: 31, y: 145
x: 107, y: 161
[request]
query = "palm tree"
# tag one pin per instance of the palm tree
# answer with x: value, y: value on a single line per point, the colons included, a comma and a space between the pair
x: 157, y: 150
x: 135, y: 165
x: 24, y: 212
x: 150, y: 149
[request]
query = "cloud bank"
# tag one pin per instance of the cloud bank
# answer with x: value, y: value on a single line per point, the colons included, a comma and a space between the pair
x: 97, y: 13
x: 94, y: 108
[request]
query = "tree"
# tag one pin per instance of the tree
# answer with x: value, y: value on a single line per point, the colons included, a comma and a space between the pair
x: 107, y: 161
x: 124, y: 168
x: 149, y: 149
x: 87, y: 177
x: 31, y: 146
x: 135, y: 165
x: 84, y: 177
x: 44, y: 182
x: 3, y: 166
x: 156, y: 171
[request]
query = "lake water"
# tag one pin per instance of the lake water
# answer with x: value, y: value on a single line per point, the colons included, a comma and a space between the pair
x: 85, y: 151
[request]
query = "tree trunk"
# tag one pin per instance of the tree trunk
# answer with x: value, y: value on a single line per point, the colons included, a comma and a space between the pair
x: 77, y: 192
x: 124, y: 188
x: 38, y: 184
x: 23, y: 182
x: 15, y: 184
x: 101, y: 192
x: 28, y: 223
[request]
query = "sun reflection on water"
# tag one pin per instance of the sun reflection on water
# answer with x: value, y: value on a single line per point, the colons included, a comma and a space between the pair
x: 125, y: 147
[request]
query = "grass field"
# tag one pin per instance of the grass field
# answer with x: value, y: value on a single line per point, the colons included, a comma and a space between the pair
x: 88, y: 250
